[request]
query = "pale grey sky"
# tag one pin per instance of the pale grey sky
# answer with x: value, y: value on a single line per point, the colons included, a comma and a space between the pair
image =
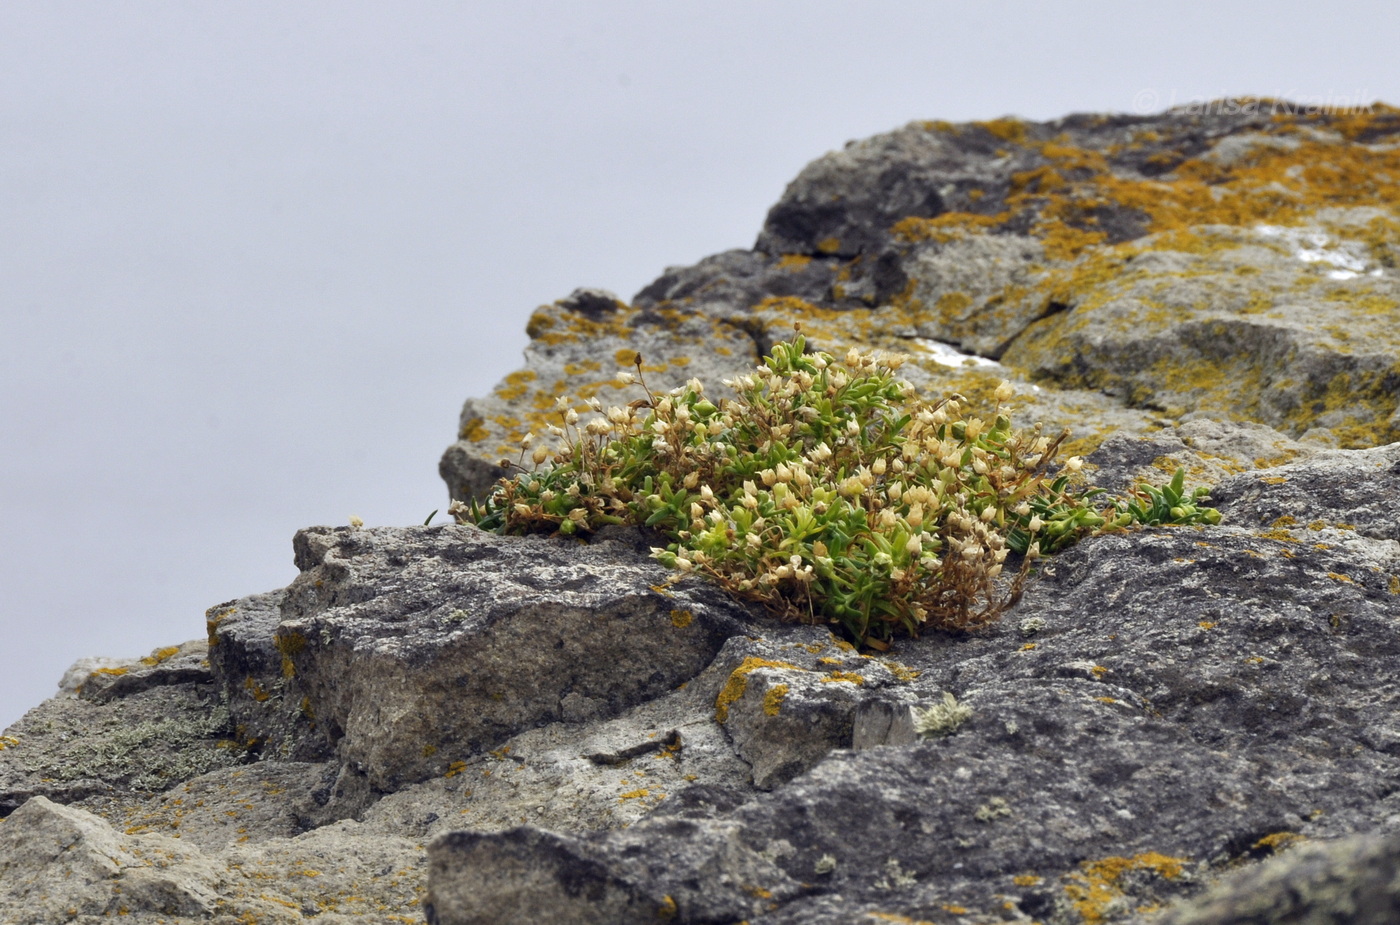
x: 253, y: 256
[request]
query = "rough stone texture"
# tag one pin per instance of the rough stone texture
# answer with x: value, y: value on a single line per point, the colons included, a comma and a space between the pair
x: 1186, y: 699
x: 1127, y: 272
x: 539, y: 730
x: 60, y: 863
x: 67, y: 749
x: 246, y: 664
x: 387, y: 633
x: 577, y: 347
x: 1350, y: 881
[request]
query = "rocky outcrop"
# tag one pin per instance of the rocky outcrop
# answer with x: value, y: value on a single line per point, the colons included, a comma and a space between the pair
x: 1125, y: 273
x: 435, y: 723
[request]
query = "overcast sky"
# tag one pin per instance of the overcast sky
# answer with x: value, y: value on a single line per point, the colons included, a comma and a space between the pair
x: 255, y: 255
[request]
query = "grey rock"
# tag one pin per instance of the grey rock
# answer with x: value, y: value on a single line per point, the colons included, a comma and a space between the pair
x: 1082, y: 254
x: 1352, y: 492
x: 182, y: 664
x: 667, y: 868
x: 1349, y: 881
x: 1170, y: 717
x: 1285, y: 344
x: 577, y: 347
x: 846, y: 202
x: 253, y: 674
x: 1209, y: 451
x: 59, y: 863
x: 390, y: 632
x: 535, y: 729
x: 148, y: 741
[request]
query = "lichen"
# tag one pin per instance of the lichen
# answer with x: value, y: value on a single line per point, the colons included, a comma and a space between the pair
x: 1096, y: 890
x: 160, y: 655
x: 739, y: 681
x: 941, y: 719
x: 290, y: 645
x: 773, y: 699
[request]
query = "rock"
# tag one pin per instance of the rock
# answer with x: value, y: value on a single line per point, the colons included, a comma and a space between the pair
x: 247, y: 665
x: 577, y: 347
x: 1166, y: 719
x: 111, y: 678
x: 667, y: 868
x: 59, y: 863
x: 388, y: 634
x: 528, y: 729
x: 146, y: 742
x: 1349, y: 880
x: 1125, y: 273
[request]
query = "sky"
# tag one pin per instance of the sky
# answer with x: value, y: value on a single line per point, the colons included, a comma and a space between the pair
x: 254, y: 255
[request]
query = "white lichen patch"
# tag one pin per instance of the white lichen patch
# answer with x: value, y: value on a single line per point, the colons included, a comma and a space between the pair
x: 941, y: 719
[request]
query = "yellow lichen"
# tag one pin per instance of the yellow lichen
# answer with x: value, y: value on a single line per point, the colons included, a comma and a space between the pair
x: 1095, y: 887
x: 773, y: 699
x: 255, y: 689
x: 1278, y: 841
x: 901, y: 672
x: 681, y: 618
x: 160, y: 655
x: 848, y: 677
x: 738, y: 683
x: 473, y: 430
x: 290, y: 645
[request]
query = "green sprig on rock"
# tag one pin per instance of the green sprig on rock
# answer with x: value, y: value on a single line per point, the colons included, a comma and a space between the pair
x: 827, y: 491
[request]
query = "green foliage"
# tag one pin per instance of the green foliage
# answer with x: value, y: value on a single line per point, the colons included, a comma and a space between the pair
x: 826, y: 491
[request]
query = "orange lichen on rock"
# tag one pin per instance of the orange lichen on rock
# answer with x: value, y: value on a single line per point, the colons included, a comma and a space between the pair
x: 738, y: 683
x: 1095, y: 887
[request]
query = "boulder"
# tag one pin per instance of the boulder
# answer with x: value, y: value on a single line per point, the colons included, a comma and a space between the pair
x: 414, y: 648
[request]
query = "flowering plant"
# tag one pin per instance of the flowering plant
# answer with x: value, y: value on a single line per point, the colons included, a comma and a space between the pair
x: 826, y: 491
